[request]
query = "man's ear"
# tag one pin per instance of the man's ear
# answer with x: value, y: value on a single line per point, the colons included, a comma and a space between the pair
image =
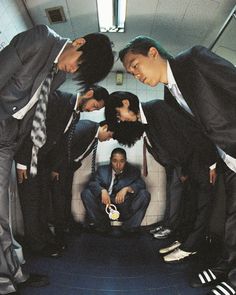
x: 78, y: 42
x: 89, y: 94
x: 125, y: 103
x: 153, y: 52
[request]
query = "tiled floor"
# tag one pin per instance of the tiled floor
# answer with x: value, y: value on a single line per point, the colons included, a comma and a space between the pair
x: 100, y: 265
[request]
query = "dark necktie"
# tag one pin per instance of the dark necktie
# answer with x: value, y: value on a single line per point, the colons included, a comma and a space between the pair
x: 115, y: 183
x: 38, y: 132
x: 93, y: 164
x: 93, y: 147
x: 145, y: 168
x: 71, y: 131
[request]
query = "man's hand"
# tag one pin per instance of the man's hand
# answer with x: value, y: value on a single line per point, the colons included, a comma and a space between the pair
x: 106, y: 200
x: 120, y: 196
x: 55, y: 175
x: 183, y: 178
x: 21, y: 175
x: 212, y: 176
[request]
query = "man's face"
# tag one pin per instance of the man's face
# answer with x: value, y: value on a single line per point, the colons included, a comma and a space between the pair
x: 90, y: 104
x: 104, y: 134
x: 147, y: 69
x: 118, y: 162
x: 69, y: 60
x: 124, y: 113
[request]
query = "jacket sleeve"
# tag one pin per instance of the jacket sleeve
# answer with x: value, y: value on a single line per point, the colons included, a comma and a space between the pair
x: 138, y: 183
x: 97, y: 184
x: 23, y: 47
x: 23, y: 155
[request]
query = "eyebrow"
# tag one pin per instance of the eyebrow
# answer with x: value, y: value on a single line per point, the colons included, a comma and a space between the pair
x: 130, y: 62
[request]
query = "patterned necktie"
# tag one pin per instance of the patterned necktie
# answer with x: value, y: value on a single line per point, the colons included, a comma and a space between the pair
x: 93, y: 147
x: 71, y: 131
x: 145, y: 168
x: 38, y: 132
x: 93, y: 164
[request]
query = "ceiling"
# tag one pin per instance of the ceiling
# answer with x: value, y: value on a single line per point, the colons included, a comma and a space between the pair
x: 177, y: 24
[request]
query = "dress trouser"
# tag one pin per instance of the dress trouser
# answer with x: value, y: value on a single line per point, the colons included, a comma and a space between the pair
x: 174, y: 194
x: 227, y: 262
x: 131, y: 211
x: 10, y: 270
x: 61, y: 200
x: 200, y: 183
x: 34, y: 198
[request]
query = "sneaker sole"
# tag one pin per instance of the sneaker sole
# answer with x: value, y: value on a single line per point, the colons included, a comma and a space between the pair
x: 180, y: 260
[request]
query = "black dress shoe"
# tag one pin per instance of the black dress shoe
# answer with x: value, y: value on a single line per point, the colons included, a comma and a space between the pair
x: 49, y: 251
x: 34, y: 280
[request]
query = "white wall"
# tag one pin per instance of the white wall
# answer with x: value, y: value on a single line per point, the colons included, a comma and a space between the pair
x: 13, y: 20
x: 156, y: 176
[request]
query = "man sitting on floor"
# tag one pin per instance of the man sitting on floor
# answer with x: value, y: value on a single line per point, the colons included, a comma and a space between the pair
x: 117, y: 183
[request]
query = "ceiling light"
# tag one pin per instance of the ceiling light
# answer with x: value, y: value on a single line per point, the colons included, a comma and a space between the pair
x: 111, y: 15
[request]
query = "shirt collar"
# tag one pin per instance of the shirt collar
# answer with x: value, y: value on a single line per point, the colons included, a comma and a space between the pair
x: 142, y: 115
x: 170, y: 76
x: 63, y: 47
x: 76, y: 103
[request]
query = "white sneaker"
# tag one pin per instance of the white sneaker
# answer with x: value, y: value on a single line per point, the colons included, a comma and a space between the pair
x: 156, y: 229
x: 162, y: 234
x: 177, y: 255
x: 172, y: 247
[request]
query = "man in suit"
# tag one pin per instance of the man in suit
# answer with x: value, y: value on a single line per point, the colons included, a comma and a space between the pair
x: 177, y: 144
x: 200, y: 85
x: 85, y: 139
x: 34, y: 191
x: 117, y: 183
x: 28, y: 65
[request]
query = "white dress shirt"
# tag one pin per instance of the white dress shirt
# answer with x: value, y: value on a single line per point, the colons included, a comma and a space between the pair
x: 229, y: 161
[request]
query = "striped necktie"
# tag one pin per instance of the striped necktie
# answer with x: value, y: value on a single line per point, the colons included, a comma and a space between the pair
x: 38, y: 131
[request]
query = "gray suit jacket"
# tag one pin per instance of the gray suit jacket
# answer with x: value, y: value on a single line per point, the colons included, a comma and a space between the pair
x: 24, y: 64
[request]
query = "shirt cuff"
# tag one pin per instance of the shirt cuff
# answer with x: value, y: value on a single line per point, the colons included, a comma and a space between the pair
x: 20, y: 166
x: 212, y: 167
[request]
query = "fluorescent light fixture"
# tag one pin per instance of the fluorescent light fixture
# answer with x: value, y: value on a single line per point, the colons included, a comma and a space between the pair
x: 111, y: 15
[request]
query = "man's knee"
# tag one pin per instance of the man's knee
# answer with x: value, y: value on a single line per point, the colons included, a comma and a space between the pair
x: 144, y: 196
x: 86, y: 194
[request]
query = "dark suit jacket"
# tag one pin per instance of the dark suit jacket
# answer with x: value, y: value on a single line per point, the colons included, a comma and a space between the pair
x: 130, y: 177
x: 24, y: 64
x: 175, y: 139
x: 208, y: 84
x: 84, y: 135
x: 59, y: 111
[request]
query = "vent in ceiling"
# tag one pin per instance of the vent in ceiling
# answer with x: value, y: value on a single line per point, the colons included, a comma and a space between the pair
x: 55, y: 15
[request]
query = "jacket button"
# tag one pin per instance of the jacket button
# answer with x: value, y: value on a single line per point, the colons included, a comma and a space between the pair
x: 14, y: 109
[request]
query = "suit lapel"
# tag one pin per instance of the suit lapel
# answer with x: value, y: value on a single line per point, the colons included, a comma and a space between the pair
x: 48, y: 65
x: 186, y: 81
